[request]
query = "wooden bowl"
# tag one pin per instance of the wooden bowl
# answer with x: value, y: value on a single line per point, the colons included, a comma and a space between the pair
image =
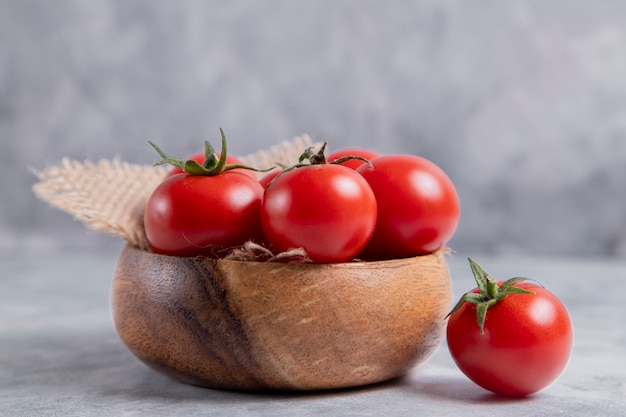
x: 280, y: 326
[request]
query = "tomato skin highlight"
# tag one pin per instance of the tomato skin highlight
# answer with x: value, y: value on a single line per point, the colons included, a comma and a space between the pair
x: 526, y: 344
x: 418, y: 207
x: 352, y: 163
x: 329, y: 210
x: 189, y: 215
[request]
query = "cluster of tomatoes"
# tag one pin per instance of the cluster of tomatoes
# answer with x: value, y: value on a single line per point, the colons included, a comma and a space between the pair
x: 351, y: 204
x: 357, y: 204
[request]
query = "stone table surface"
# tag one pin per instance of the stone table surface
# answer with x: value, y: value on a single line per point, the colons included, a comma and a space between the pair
x: 60, y: 355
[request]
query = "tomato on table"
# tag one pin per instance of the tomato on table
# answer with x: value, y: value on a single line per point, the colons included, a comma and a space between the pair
x: 513, y: 338
x: 327, y: 209
x: 418, y: 207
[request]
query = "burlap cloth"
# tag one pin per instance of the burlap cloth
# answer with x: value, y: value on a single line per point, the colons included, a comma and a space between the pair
x: 110, y: 195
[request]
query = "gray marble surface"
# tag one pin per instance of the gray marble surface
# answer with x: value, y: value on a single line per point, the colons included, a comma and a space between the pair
x: 60, y: 355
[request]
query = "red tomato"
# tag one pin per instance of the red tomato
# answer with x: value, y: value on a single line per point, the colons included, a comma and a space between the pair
x: 190, y: 215
x: 328, y: 210
x: 268, y: 177
x: 525, y: 343
x: 230, y: 160
x: 418, y: 207
x: 352, y: 163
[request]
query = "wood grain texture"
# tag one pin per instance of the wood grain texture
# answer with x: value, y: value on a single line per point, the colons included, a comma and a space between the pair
x: 274, y: 326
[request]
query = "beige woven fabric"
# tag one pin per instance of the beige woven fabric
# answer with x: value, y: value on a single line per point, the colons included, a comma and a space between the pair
x: 110, y: 196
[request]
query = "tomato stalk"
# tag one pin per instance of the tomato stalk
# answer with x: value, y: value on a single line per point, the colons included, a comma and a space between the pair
x: 314, y: 158
x: 490, y: 292
x: 319, y: 157
x: 212, y: 164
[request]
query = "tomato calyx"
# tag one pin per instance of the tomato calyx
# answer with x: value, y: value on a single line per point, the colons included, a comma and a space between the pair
x: 319, y: 157
x: 490, y: 292
x: 314, y: 158
x: 311, y: 157
x: 213, y: 165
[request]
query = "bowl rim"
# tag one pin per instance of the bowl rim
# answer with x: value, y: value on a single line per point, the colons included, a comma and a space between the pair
x: 357, y: 263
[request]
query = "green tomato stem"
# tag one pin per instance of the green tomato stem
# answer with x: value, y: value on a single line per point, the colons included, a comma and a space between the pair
x: 212, y: 164
x: 489, y: 293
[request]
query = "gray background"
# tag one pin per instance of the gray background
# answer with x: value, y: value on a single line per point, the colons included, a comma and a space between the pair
x: 522, y: 103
